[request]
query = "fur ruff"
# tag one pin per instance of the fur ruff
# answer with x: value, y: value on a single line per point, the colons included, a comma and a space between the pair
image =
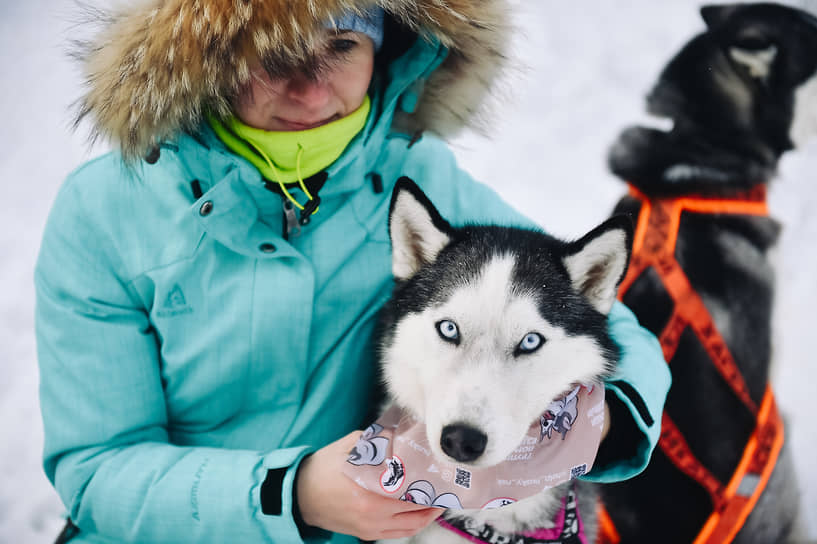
x: 156, y: 65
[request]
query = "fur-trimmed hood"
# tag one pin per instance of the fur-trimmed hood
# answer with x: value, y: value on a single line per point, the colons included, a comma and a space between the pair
x: 156, y: 65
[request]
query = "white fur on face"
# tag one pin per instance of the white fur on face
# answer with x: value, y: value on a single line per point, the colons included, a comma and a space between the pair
x: 480, y: 382
x: 655, y: 121
x: 804, y: 124
x: 758, y: 62
x: 683, y: 172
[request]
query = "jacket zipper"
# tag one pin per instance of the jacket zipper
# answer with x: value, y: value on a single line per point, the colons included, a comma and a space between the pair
x: 291, y: 225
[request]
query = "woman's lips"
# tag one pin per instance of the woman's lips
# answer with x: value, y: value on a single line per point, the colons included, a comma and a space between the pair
x: 301, y: 125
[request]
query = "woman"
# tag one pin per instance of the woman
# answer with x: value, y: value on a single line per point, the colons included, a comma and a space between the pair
x: 207, y: 292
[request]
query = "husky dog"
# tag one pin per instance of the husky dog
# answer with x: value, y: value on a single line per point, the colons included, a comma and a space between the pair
x: 487, y: 325
x: 739, y: 97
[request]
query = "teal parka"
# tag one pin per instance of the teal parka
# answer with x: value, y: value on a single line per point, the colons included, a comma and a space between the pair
x: 187, y: 346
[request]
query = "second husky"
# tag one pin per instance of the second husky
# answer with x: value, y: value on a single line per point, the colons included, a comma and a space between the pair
x: 739, y: 95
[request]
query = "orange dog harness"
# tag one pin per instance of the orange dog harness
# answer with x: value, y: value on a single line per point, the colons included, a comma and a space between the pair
x: 654, y: 246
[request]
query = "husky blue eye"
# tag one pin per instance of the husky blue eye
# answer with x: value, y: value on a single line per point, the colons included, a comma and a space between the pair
x: 530, y: 343
x: 448, y: 331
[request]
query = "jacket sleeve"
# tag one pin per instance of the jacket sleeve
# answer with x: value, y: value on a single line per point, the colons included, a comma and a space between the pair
x: 635, y: 394
x: 637, y: 390
x: 106, y: 441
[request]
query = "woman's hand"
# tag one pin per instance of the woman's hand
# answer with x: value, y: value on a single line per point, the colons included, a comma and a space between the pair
x: 330, y: 500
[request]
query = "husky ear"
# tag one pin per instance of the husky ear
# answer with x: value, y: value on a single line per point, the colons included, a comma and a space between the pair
x: 715, y: 14
x: 597, y: 262
x: 417, y: 230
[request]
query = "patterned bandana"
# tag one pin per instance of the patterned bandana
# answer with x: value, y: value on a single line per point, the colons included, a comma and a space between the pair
x: 393, y: 458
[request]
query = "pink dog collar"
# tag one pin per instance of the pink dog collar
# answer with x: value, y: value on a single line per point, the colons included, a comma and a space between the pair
x: 567, y: 528
x: 393, y: 458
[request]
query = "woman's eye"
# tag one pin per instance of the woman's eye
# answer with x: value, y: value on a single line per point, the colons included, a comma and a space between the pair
x: 530, y: 343
x: 448, y: 331
x: 342, y: 45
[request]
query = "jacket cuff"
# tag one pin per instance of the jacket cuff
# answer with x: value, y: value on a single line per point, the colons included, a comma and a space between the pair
x: 627, y: 450
x: 277, y: 507
x: 272, y: 492
x: 635, y: 395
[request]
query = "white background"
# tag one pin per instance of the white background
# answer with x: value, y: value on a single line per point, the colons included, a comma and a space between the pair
x: 583, y: 70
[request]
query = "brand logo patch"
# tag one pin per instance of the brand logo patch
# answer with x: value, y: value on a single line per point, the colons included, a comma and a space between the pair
x: 175, y: 303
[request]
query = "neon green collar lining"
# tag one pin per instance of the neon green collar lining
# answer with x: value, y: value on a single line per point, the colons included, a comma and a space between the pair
x: 291, y: 156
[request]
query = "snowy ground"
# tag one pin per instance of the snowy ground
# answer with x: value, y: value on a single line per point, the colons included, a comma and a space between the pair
x: 584, y: 69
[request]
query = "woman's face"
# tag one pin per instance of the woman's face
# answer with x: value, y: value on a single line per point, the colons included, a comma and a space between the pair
x: 300, y: 102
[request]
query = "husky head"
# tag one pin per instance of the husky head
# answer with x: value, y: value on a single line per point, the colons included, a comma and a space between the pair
x: 738, y: 96
x: 488, y: 325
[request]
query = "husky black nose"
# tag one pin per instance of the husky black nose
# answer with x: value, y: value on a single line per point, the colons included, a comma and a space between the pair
x: 462, y: 442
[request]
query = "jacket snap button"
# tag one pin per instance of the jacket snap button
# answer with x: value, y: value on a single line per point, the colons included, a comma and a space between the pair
x: 206, y: 208
x: 266, y: 247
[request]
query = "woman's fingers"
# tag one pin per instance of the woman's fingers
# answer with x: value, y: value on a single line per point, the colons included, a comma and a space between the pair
x: 331, y: 500
x: 418, y: 518
x: 410, y: 523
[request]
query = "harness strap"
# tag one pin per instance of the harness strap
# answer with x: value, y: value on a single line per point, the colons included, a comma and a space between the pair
x: 675, y: 447
x: 654, y: 246
x: 668, y: 215
x: 740, y: 496
x: 750, y: 478
x: 690, y: 312
x: 608, y: 534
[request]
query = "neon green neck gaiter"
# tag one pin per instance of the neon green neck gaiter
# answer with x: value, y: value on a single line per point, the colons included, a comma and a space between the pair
x: 290, y: 156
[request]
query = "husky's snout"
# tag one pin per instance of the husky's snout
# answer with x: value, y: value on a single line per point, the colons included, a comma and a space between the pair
x: 463, y: 442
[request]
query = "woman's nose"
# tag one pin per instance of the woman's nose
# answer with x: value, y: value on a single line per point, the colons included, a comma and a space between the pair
x: 311, y: 92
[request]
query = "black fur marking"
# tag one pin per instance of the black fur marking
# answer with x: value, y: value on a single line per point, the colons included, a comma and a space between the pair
x: 649, y: 300
x: 703, y: 406
x: 538, y: 262
x: 743, y: 288
x: 729, y: 127
x: 657, y: 493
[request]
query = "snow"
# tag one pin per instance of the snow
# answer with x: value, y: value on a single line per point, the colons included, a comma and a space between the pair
x: 583, y: 70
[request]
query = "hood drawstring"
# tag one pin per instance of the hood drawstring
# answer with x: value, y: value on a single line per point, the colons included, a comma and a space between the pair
x: 281, y: 156
x: 313, y: 203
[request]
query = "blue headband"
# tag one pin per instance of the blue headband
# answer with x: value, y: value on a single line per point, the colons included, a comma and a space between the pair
x: 369, y: 22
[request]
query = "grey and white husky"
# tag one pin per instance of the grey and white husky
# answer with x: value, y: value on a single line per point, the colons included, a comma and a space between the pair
x: 487, y: 325
x: 739, y: 95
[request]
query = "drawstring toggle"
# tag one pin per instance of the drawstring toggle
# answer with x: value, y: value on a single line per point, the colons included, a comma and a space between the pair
x: 309, y: 208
